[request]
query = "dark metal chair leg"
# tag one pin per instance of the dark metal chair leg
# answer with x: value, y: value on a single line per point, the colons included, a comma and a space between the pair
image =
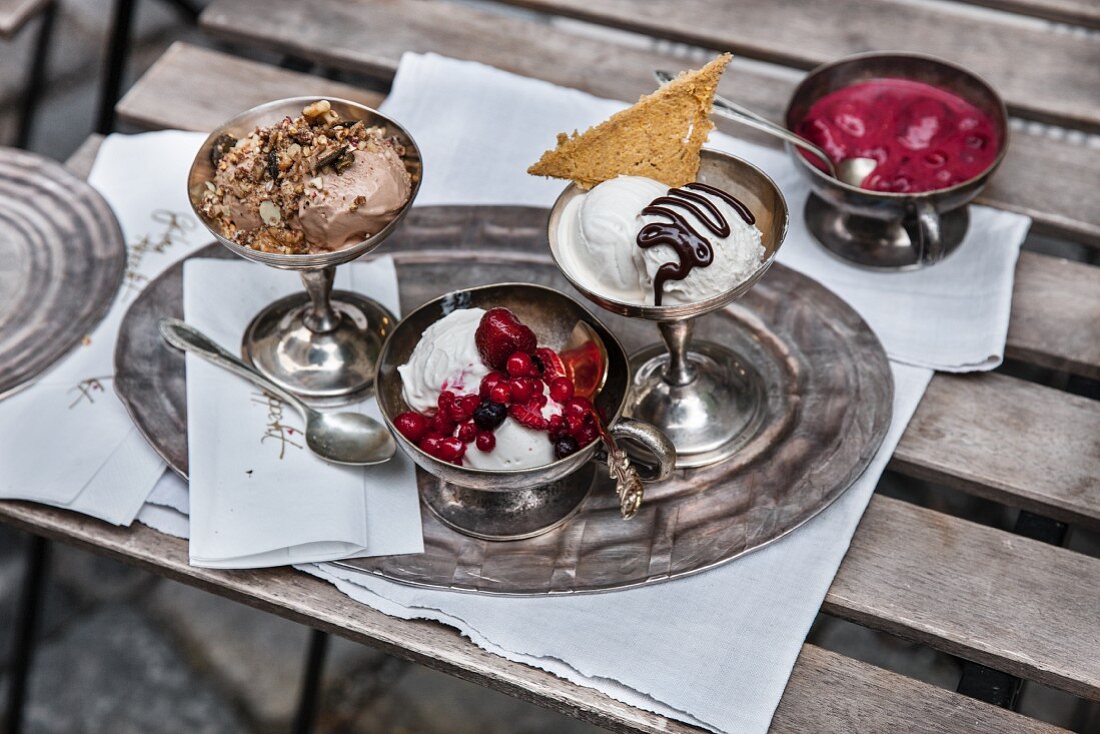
x: 118, y: 50
x: 26, y: 631
x: 306, y: 716
x: 36, y: 77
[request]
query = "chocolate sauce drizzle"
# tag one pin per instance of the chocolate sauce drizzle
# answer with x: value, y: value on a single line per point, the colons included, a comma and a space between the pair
x: 693, y: 250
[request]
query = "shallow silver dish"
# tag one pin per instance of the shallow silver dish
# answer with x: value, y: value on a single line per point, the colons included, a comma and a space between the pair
x: 830, y: 378
x: 62, y: 261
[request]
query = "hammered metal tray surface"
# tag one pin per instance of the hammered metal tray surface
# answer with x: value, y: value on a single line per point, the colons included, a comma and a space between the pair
x: 62, y: 259
x: 836, y: 392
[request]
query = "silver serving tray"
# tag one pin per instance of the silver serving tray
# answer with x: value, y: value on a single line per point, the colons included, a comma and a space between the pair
x: 830, y: 396
x: 62, y: 260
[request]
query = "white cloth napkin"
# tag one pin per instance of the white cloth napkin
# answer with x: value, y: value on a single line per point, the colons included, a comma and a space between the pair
x: 67, y: 440
x: 951, y: 317
x: 258, y: 496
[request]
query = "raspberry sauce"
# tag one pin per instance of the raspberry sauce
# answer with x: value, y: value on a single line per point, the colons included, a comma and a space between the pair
x: 923, y: 137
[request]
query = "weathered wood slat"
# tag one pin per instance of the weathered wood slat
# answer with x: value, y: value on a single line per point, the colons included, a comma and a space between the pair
x: 14, y: 14
x: 827, y: 692
x: 1055, y: 309
x: 1015, y: 604
x: 1075, y: 12
x: 1055, y: 80
x: 1053, y: 182
x: 194, y: 88
x: 1010, y: 441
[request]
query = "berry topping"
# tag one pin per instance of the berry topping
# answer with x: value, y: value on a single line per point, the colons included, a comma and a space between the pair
x: 486, y: 441
x: 521, y: 390
x: 452, y: 450
x: 431, y: 445
x: 463, y: 407
x: 489, y: 381
x: 577, y: 407
x: 446, y: 400
x: 499, y: 334
x: 556, y: 426
x: 501, y: 393
x: 467, y: 432
x: 529, y: 416
x: 442, y: 424
x: 565, y: 445
x: 489, y: 415
x: 412, y: 425
x: 561, y: 390
x: 587, y: 433
x: 519, y: 364
x: 552, y: 366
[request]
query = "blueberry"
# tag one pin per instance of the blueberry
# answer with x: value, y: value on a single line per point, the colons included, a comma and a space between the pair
x: 565, y: 446
x: 489, y: 415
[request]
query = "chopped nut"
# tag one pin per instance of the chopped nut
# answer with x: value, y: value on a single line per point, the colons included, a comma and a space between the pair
x: 316, y: 109
x: 317, y: 182
x: 270, y: 213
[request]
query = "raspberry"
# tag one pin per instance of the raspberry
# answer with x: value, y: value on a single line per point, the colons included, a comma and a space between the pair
x: 446, y: 400
x: 501, y: 393
x: 565, y: 446
x: 520, y: 365
x: 486, y: 441
x: 467, y: 432
x: 412, y: 425
x: 442, y: 424
x: 499, y: 334
x: 561, y: 390
x: 552, y: 366
x: 463, y: 407
x: 528, y: 416
x: 489, y: 381
x: 489, y: 415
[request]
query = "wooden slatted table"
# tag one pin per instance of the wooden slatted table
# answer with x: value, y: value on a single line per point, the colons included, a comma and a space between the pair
x: 1020, y: 606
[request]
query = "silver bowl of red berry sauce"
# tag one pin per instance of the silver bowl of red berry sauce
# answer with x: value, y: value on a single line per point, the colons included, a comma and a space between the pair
x: 938, y: 131
x: 508, y: 504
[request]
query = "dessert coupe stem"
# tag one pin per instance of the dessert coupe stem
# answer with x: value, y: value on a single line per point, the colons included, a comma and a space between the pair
x: 321, y: 317
x: 677, y: 336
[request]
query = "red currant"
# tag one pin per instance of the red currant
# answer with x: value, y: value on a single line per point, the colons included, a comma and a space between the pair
x: 578, y: 407
x: 489, y: 381
x: 452, y: 450
x: 561, y: 390
x: 412, y: 425
x: 442, y: 424
x: 486, y: 441
x: 586, y: 434
x: 431, y: 445
x: 520, y: 365
x: 501, y: 393
x: 446, y: 400
x: 521, y: 390
x: 463, y: 407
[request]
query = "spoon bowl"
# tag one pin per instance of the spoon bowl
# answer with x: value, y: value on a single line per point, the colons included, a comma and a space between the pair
x: 339, y: 438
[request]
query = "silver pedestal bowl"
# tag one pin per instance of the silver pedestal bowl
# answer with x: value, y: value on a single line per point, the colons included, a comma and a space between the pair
x: 322, y: 345
x: 708, y: 399
x: 516, y: 504
x: 881, y: 230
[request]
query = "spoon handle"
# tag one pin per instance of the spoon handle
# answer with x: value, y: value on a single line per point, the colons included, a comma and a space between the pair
x: 183, y: 336
x: 732, y: 110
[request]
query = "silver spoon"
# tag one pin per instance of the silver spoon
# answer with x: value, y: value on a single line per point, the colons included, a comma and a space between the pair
x: 341, y: 438
x: 851, y: 171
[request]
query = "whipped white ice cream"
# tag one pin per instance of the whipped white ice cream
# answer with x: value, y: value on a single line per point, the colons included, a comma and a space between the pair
x: 445, y: 358
x: 598, y: 245
x: 517, y: 447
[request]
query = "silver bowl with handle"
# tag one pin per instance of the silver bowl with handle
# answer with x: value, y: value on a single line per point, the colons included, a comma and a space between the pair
x: 321, y: 345
x: 515, y: 504
x: 883, y: 230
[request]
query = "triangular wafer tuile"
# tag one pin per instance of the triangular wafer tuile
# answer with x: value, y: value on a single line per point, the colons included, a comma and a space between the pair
x: 658, y: 137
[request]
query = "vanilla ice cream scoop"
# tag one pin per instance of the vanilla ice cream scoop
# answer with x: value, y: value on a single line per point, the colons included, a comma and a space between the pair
x: 598, y: 241
x: 445, y: 358
x: 517, y: 447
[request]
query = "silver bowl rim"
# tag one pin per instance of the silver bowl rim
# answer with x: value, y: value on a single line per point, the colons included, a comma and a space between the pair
x: 893, y: 195
x: 679, y: 311
x: 383, y: 360
x: 314, y: 260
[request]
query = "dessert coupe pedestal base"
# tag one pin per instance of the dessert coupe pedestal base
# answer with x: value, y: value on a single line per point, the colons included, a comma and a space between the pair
x: 830, y: 395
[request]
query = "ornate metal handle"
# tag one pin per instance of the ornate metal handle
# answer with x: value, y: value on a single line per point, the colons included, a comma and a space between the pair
x: 628, y: 480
